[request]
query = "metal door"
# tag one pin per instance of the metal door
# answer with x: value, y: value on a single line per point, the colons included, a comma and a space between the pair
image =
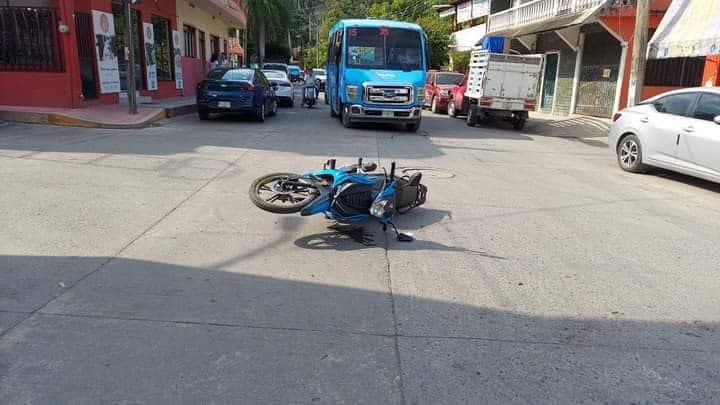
x: 86, y: 53
x: 596, y: 90
x: 549, y: 80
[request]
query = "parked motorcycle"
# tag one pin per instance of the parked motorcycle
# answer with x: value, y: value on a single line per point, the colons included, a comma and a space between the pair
x: 310, y: 95
x: 348, y: 194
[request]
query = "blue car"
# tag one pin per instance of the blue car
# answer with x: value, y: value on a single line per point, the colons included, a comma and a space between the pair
x: 236, y: 91
x: 295, y: 73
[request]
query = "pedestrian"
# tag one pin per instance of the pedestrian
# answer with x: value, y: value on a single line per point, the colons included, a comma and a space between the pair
x: 224, y: 61
x: 214, y: 60
x: 308, y: 77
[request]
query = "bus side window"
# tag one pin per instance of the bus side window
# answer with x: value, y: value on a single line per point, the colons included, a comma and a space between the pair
x: 338, y: 46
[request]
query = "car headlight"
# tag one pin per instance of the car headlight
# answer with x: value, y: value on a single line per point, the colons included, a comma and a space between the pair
x: 421, y: 94
x: 351, y: 92
x: 383, y: 208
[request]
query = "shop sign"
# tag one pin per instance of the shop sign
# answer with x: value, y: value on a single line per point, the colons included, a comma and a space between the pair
x: 107, y: 60
x: 178, y: 60
x: 150, y: 62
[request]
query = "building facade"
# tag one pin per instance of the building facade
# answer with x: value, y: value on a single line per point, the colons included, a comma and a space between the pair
x: 588, y: 51
x: 71, y: 53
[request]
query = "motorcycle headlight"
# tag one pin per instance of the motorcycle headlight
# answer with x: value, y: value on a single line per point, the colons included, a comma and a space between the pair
x: 351, y: 92
x: 421, y: 94
x: 383, y: 208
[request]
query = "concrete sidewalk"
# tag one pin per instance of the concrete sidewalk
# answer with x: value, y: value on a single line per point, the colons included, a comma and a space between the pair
x: 101, y: 116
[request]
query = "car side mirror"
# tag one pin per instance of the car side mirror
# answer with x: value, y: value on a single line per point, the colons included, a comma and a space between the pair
x: 717, y: 120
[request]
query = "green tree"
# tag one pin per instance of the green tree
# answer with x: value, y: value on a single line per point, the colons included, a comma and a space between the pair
x: 268, y: 16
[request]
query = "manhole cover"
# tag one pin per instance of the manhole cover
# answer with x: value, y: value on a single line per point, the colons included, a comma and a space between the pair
x: 433, y: 172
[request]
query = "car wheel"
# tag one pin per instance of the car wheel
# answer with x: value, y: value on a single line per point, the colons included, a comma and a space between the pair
x: 629, y: 154
x: 291, y: 104
x: 451, y: 108
x: 273, y: 108
x: 203, y: 114
x: 434, y: 106
x: 260, y: 113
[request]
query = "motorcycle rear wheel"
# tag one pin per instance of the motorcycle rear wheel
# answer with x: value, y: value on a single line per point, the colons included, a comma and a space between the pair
x: 267, y: 193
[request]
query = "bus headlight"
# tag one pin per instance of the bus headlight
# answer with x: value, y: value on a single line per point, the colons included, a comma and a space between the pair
x: 421, y: 94
x: 351, y: 92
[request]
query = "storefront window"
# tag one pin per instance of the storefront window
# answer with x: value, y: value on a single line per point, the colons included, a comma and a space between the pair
x: 119, y: 19
x: 161, y: 29
x: 28, y: 36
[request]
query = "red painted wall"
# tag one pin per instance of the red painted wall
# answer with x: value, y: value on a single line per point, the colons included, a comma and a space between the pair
x: 711, y: 74
x: 192, y: 74
x: 63, y: 89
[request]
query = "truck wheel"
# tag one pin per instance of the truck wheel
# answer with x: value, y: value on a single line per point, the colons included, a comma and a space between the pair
x: 412, y: 126
x: 345, y: 116
x: 472, y: 116
x: 518, y: 124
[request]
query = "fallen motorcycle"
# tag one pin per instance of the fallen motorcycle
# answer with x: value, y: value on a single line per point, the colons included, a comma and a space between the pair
x: 347, y: 194
x: 310, y: 95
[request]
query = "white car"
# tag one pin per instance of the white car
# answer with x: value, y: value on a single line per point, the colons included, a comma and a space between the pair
x: 283, y: 88
x: 678, y: 130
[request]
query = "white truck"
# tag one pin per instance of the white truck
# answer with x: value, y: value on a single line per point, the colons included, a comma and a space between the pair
x: 502, y: 86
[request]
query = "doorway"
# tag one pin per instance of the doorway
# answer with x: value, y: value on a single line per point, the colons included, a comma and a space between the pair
x: 202, y: 53
x: 552, y: 65
x: 86, y: 54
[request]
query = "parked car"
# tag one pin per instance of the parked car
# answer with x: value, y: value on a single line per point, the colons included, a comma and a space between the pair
x: 678, y: 130
x: 295, y: 73
x: 282, y: 86
x: 283, y: 67
x: 236, y: 91
x: 320, y: 78
x: 457, y: 105
x: 438, y: 87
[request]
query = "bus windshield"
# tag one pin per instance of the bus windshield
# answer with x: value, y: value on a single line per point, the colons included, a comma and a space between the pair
x: 384, y: 48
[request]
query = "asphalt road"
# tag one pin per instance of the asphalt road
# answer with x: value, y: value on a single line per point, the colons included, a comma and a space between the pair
x: 134, y: 269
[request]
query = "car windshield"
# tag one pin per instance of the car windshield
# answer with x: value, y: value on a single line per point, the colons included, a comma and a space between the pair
x: 319, y: 72
x: 448, y: 78
x: 232, y: 74
x: 274, y: 74
x: 384, y: 48
x: 271, y: 66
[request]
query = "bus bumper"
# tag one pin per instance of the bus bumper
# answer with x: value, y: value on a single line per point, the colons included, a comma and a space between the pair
x: 359, y: 113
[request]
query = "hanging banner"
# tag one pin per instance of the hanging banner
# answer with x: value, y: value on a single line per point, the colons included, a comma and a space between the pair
x: 178, y: 60
x: 150, y: 62
x: 107, y: 60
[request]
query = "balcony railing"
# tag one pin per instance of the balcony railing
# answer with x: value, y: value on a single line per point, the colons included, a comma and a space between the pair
x: 538, y: 11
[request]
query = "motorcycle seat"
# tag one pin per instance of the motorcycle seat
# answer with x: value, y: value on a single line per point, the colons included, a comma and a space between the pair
x: 366, y: 167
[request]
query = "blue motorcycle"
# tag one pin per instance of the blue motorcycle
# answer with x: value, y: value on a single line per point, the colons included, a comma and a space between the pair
x: 347, y: 194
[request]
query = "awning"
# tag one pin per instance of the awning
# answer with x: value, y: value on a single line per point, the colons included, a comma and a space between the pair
x: 465, y: 40
x: 689, y: 28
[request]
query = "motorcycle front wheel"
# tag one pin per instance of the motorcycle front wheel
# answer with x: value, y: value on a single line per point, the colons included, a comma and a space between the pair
x: 282, y: 193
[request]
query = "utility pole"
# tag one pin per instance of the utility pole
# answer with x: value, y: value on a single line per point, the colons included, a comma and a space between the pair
x: 317, y: 43
x: 640, y: 40
x: 129, y: 59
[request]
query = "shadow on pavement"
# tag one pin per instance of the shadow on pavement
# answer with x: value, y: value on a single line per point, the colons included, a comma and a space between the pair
x: 142, y: 331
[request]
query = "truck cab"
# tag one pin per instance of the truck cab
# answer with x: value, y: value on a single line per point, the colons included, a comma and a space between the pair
x: 376, y: 71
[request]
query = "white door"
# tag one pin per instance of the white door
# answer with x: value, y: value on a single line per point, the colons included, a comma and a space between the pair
x: 662, y: 129
x: 702, y: 137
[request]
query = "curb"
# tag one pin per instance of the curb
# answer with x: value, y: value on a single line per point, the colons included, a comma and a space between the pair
x: 64, y: 120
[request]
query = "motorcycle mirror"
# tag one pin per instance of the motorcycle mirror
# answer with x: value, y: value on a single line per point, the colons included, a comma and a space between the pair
x: 404, y: 237
x: 359, y: 168
x: 392, y: 170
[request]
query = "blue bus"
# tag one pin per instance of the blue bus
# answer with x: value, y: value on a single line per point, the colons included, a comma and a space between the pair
x: 376, y: 72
